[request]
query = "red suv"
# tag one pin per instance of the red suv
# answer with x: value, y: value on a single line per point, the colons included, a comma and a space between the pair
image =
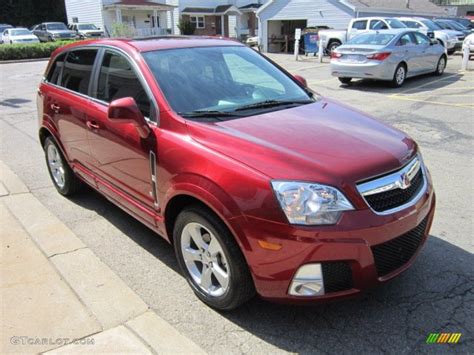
x: 261, y: 185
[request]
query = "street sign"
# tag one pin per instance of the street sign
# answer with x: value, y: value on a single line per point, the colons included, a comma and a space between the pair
x: 298, y: 34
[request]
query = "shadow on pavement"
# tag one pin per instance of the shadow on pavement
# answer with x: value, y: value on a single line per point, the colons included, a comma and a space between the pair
x: 435, y: 295
x: 14, y: 103
x: 417, y: 84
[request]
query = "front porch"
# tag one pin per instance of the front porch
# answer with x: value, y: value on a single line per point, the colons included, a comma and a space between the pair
x: 222, y: 20
x: 139, y: 19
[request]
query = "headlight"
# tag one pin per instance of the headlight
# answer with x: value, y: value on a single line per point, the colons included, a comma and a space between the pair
x: 310, y: 203
x: 55, y: 34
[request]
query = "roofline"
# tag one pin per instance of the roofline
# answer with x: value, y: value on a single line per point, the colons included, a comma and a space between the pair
x: 395, y: 11
x: 212, y: 13
x: 263, y: 7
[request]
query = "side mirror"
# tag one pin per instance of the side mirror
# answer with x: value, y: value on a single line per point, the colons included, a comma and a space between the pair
x: 125, y: 110
x: 301, y: 80
x: 433, y: 41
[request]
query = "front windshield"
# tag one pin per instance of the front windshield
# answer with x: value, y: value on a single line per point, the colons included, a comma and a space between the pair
x: 443, y: 25
x: 20, y: 32
x: 431, y: 25
x: 56, y: 26
x: 457, y: 26
x: 223, y: 79
x: 394, y: 23
x: 87, y: 27
x: 376, y: 39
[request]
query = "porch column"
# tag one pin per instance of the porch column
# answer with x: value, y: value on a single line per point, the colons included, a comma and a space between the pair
x: 172, y: 20
x: 118, y: 15
x: 155, y: 18
x: 222, y: 26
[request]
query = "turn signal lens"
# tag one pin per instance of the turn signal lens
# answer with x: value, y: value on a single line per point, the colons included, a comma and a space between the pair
x: 268, y: 245
x: 379, y: 56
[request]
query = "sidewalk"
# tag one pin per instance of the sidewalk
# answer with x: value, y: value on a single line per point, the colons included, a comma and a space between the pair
x: 58, y: 297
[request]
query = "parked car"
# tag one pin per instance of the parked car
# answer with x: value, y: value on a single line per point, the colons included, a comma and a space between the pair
x: 453, y: 25
x: 86, y: 30
x: 389, y: 55
x: 3, y: 27
x: 260, y: 184
x: 462, y: 20
x: 334, y: 38
x: 18, y: 35
x: 252, y: 41
x: 451, y: 40
x: 53, y: 31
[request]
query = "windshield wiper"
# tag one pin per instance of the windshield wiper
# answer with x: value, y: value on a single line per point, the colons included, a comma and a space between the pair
x: 208, y: 114
x: 273, y: 103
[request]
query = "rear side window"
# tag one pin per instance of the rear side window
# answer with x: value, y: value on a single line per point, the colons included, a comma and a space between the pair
x: 117, y: 80
x: 359, y: 25
x: 378, y: 25
x: 77, y: 70
x: 55, y: 70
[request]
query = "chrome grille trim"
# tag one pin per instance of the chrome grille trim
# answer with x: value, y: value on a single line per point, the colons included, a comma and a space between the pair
x: 400, y: 179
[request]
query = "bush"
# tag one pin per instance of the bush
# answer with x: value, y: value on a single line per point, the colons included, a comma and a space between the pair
x: 29, y: 51
x: 122, y: 30
x: 186, y: 27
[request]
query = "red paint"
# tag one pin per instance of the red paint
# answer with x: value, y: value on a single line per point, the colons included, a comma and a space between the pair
x: 228, y: 166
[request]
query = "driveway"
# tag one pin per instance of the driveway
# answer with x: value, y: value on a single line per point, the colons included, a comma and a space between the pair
x: 435, y: 295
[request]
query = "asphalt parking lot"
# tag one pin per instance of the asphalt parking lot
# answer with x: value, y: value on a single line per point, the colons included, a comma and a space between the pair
x: 435, y: 295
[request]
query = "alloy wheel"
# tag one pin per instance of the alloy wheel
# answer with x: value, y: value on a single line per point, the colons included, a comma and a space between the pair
x: 205, y: 259
x: 400, y: 75
x: 441, y: 65
x: 56, y: 166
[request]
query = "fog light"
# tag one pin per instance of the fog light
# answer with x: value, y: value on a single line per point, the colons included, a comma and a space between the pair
x: 308, y: 281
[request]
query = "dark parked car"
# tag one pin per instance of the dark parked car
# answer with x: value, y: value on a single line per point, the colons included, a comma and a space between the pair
x: 260, y: 184
x: 53, y: 31
x: 453, y: 25
x: 462, y: 20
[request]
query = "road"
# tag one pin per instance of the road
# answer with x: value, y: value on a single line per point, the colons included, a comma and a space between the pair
x: 435, y: 295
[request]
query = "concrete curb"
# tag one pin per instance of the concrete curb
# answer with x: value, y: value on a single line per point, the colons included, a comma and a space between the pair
x: 127, y: 323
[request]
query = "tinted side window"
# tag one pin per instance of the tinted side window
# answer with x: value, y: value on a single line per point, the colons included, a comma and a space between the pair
x: 421, y: 38
x: 55, y: 70
x: 360, y: 25
x: 117, y: 79
x: 77, y: 70
x: 378, y: 25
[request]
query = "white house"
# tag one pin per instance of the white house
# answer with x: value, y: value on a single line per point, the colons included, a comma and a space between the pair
x: 278, y: 19
x: 144, y: 17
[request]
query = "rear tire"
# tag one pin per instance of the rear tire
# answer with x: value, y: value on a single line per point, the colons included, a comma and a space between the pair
x: 345, y: 81
x: 441, y: 66
x: 332, y: 46
x: 399, y: 76
x: 64, y: 179
x: 195, y: 230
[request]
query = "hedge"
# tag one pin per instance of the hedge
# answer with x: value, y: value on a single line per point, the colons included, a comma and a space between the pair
x: 29, y: 51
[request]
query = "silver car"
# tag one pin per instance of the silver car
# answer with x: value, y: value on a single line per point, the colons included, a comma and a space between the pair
x: 392, y: 55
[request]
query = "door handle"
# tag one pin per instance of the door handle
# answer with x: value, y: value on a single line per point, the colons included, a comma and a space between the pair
x: 92, y: 125
x: 56, y: 108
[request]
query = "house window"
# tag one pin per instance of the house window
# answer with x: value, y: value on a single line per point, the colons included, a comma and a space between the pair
x: 197, y: 21
x: 75, y: 20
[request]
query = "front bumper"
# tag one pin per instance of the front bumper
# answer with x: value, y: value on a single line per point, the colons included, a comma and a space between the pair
x: 349, y: 242
x: 370, y: 70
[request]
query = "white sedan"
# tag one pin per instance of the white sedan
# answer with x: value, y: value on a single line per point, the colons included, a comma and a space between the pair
x: 18, y: 35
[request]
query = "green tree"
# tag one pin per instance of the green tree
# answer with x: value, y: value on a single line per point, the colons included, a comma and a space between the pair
x: 30, y: 12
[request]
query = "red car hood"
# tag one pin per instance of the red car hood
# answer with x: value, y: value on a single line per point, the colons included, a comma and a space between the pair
x: 323, y: 142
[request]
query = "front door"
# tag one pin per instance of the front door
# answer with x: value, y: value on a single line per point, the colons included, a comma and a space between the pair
x: 123, y: 160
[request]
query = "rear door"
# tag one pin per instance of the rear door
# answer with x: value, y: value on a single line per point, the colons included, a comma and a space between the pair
x: 122, y: 159
x: 408, y: 51
x: 67, y: 102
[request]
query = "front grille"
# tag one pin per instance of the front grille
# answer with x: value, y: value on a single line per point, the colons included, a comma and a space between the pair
x: 337, y: 276
x: 394, y: 198
x: 395, y: 253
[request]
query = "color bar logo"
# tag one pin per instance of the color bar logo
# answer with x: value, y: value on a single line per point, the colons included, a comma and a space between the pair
x: 443, y: 338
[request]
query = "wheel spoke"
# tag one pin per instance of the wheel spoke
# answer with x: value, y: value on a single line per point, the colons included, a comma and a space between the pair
x: 206, y: 280
x: 191, y: 255
x: 197, y: 237
x: 221, y: 276
x: 214, y: 247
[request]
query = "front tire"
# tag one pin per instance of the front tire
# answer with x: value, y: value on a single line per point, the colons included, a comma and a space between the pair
x: 399, y: 76
x: 332, y: 46
x: 211, y: 260
x: 345, y: 81
x: 64, y: 179
x: 441, y: 66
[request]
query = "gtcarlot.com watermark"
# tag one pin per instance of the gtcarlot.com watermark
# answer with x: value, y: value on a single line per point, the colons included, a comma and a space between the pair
x: 27, y: 340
